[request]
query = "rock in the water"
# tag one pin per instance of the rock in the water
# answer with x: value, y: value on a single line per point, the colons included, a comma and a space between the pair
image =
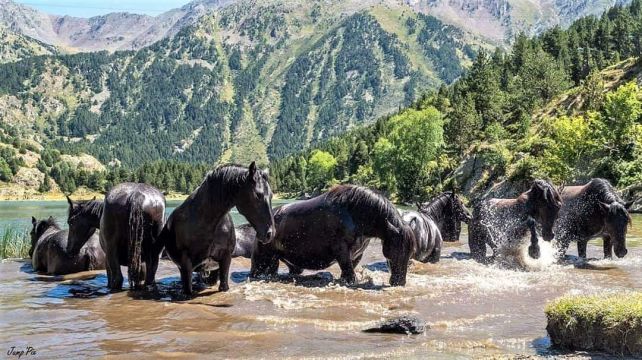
x: 401, y: 325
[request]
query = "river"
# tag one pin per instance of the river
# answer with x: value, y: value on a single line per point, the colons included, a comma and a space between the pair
x: 473, y: 310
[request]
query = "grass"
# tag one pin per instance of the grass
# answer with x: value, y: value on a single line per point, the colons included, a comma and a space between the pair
x: 14, y: 243
x: 608, y: 322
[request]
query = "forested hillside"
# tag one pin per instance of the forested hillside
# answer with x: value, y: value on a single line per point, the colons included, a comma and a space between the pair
x: 247, y: 82
x: 551, y: 107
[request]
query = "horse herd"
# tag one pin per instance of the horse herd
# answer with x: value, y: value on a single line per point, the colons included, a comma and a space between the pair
x: 337, y: 226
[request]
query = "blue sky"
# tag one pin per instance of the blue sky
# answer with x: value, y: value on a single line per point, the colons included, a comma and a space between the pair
x: 88, y: 8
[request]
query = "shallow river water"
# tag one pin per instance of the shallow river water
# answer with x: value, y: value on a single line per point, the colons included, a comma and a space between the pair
x: 473, y: 310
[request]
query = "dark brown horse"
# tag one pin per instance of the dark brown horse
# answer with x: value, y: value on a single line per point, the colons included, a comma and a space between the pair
x: 192, y: 235
x: 503, y: 222
x: 594, y: 209
x: 336, y: 227
x: 49, y: 250
x: 131, y: 221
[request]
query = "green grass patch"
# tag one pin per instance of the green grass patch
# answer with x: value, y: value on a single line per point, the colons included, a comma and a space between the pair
x: 14, y: 243
x: 610, y: 322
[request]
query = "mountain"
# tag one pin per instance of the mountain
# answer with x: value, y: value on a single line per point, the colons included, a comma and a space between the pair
x: 248, y: 81
x: 114, y: 31
x: 497, y: 21
x: 14, y: 46
x: 501, y: 20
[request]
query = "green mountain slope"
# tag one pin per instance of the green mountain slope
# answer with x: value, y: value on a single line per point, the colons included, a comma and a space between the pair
x: 264, y: 79
x: 14, y: 47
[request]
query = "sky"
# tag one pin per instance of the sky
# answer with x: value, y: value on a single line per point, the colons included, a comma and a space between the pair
x: 88, y: 8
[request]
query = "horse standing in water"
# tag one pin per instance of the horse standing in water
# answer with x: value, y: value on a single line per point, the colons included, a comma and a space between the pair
x: 440, y: 216
x: 594, y: 209
x: 49, y: 253
x: 501, y: 222
x: 131, y: 220
x: 336, y: 227
x: 190, y: 234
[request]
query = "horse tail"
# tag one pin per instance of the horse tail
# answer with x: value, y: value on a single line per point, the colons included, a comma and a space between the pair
x: 136, y: 236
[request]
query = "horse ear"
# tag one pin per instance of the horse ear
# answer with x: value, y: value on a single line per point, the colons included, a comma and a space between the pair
x: 604, y: 206
x: 418, y: 205
x: 33, y: 220
x: 252, y: 169
x: 628, y: 204
x: 94, y: 199
x: 71, y: 203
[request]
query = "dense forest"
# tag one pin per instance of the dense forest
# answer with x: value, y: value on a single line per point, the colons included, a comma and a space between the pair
x: 248, y: 81
x: 547, y: 108
x: 491, y: 114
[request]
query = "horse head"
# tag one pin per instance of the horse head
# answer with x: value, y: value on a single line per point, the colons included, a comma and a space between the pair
x: 543, y: 204
x: 617, y: 220
x: 398, y: 247
x: 83, y: 219
x: 254, y: 201
x: 38, y: 228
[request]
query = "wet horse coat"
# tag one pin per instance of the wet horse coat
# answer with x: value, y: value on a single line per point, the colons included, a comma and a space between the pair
x: 503, y: 222
x: 336, y: 227
x: 440, y: 216
x: 49, y: 250
x: 131, y: 221
x: 592, y: 210
x: 193, y: 236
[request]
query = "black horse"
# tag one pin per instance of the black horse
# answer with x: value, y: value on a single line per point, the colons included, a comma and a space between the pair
x: 448, y: 212
x: 49, y: 253
x: 336, y: 226
x: 192, y: 235
x: 131, y: 221
x: 594, y: 209
x: 440, y: 216
x: 502, y: 222
x: 83, y: 218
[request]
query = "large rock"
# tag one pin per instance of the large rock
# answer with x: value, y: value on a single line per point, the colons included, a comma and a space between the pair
x: 402, y: 325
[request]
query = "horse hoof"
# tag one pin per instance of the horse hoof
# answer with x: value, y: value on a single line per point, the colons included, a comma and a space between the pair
x: 223, y: 287
x: 533, y: 251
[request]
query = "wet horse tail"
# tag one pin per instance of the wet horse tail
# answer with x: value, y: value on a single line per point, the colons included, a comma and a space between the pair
x: 137, y: 230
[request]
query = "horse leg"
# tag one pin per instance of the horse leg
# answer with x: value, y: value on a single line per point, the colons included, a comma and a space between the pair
x: 533, y: 249
x: 224, y: 272
x: 345, y: 263
x: 356, y: 261
x: 608, y: 247
x: 433, y: 258
x: 265, y: 262
x: 294, y: 270
x: 114, y: 275
x: 581, y: 248
x: 212, y: 277
x: 152, y: 267
x: 186, y: 274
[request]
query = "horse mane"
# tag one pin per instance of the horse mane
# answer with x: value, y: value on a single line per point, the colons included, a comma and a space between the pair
x: 357, y: 197
x: 607, y: 194
x: 49, y: 222
x: 232, y: 175
x: 549, y: 191
x: 604, y: 191
x: 434, y: 206
x: 90, y: 207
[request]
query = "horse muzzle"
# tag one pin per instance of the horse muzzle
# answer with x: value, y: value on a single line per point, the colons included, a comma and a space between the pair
x: 267, y: 237
x: 548, y: 236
